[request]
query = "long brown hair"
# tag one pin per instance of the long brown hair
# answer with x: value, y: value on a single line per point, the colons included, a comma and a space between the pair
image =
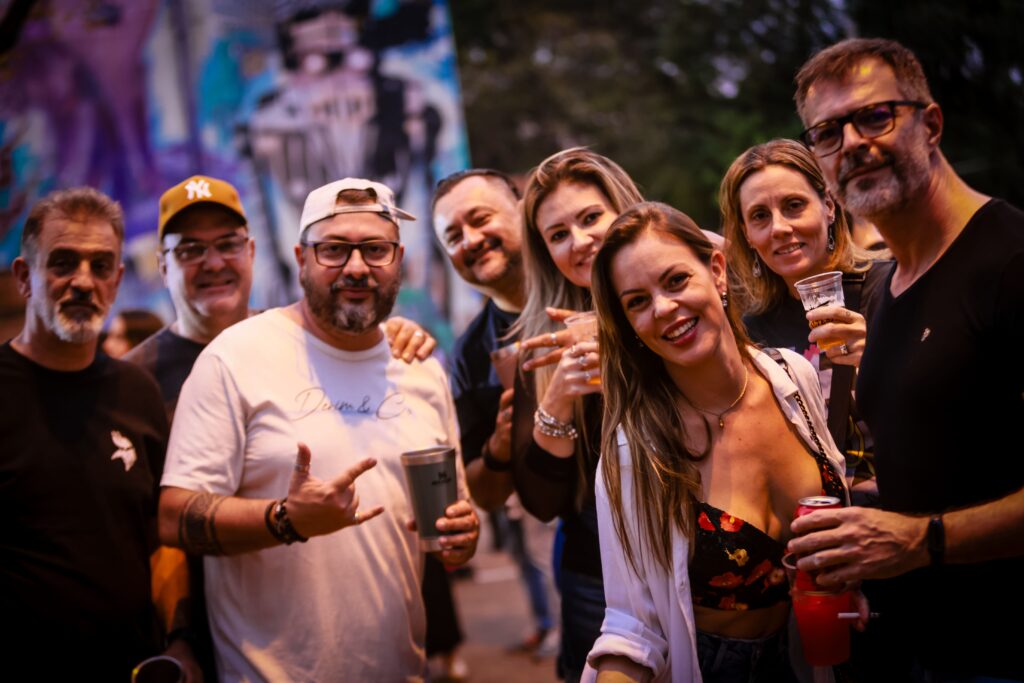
x: 758, y: 294
x: 641, y: 398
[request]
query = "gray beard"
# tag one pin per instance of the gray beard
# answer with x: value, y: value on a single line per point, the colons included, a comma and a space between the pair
x: 908, y: 176
x: 350, y: 318
x: 69, y: 330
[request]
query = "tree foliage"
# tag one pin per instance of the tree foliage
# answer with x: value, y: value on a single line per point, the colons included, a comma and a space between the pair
x: 674, y: 89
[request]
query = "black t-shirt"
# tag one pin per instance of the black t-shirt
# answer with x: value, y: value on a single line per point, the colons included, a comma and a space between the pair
x: 169, y: 358
x: 941, y: 387
x: 475, y: 385
x: 79, y: 469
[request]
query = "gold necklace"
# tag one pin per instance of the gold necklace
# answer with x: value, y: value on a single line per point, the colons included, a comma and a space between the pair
x: 721, y: 415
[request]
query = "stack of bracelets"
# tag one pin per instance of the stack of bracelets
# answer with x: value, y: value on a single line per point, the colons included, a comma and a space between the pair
x: 549, y: 425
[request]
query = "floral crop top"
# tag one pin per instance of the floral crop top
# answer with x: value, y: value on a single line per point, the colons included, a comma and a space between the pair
x: 735, y: 565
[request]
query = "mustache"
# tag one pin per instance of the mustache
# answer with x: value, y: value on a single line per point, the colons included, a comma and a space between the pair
x: 860, y: 159
x: 79, y: 298
x: 487, y: 245
x: 346, y: 281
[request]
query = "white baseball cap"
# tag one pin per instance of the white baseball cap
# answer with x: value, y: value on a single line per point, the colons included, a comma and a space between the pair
x: 323, y: 202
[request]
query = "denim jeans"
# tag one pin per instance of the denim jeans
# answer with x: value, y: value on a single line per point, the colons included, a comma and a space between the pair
x: 738, y: 660
x: 582, y: 615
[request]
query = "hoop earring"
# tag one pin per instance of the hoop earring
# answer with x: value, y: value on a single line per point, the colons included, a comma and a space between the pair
x: 755, y: 270
x: 831, y: 245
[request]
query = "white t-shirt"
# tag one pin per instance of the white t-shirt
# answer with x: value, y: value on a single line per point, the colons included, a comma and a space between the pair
x: 342, y: 607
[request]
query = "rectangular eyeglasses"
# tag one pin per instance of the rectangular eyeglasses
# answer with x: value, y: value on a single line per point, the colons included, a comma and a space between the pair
x: 870, y: 121
x: 335, y: 253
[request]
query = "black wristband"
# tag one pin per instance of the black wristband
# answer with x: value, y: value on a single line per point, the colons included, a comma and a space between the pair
x: 280, y: 527
x: 492, y: 463
x: 936, y: 540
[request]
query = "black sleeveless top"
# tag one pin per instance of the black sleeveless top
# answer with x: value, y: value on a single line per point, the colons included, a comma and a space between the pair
x: 737, y: 566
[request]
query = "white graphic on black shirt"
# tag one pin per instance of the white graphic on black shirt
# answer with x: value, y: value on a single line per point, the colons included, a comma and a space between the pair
x: 125, y: 450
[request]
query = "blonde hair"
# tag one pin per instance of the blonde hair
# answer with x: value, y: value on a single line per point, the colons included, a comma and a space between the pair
x: 641, y: 398
x: 545, y: 283
x: 758, y: 294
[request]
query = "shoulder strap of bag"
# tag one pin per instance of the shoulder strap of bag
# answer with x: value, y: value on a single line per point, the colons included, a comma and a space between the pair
x: 842, y: 375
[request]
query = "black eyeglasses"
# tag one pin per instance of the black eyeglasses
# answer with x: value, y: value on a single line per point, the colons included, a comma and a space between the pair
x: 335, y: 254
x: 189, y: 253
x: 870, y: 121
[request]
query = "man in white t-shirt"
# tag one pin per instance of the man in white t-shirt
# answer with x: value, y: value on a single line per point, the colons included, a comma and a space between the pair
x: 318, y: 373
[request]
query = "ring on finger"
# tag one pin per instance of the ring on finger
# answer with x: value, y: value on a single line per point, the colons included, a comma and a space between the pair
x: 572, y: 350
x: 355, y: 517
x: 303, y: 469
x: 582, y: 360
x: 554, y: 339
x: 844, y: 350
x: 418, y: 333
x: 587, y: 375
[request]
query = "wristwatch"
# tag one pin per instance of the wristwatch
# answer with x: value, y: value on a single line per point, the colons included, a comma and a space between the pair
x: 936, y: 540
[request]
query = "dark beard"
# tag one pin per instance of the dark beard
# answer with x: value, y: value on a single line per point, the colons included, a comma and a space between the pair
x: 350, y: 318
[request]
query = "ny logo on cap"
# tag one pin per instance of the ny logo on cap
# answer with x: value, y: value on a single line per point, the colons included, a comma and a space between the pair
x: 198, y: 189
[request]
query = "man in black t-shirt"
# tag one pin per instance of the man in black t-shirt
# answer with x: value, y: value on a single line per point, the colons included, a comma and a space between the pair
x: 940, y: 385
x: 477, y: 221
x: 84, y: 437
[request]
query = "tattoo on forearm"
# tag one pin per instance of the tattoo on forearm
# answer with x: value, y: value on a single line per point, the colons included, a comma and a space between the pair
x: 197, y: 527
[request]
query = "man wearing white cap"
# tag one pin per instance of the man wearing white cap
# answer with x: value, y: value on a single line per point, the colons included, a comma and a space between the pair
x: 344, y: 606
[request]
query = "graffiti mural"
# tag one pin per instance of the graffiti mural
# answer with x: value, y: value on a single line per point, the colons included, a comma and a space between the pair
x: 276, y: 96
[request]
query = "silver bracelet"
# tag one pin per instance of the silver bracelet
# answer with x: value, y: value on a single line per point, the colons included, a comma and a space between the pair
x: 549, y: 425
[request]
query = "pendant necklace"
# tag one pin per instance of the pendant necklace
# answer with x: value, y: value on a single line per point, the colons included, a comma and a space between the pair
x: 721, y: 415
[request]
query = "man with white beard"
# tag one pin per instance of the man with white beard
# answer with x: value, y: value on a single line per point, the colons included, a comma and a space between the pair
x: 83, y: 448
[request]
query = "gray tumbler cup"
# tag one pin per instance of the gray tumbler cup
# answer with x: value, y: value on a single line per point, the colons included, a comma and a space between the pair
x: 433, y: 486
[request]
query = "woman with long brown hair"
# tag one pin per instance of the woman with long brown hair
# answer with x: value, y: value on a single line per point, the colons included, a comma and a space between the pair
x: 707, y: 445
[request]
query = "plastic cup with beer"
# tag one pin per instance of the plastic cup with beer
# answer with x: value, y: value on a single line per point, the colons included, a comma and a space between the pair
x: 504, y: 361
x: 816, y: 291
x: 583, y: 328
x: 433, y: 486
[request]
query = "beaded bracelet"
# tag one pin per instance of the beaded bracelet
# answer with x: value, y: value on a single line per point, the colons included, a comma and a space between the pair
x: 549, y: 425
x: 279, y: 525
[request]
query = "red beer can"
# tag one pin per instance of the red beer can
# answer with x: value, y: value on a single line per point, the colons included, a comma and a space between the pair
x: 812, y: 503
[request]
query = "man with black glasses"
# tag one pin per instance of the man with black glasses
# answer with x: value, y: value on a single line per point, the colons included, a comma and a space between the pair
x: 206, y: 260
x: 317, y: 377
x: 939, y: 386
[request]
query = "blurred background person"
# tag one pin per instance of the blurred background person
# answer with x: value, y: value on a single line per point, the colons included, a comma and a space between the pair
x: 570, y: 200
x: 128, y: 329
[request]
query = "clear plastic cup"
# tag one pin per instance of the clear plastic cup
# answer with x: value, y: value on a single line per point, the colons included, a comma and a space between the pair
x: 825, y: 289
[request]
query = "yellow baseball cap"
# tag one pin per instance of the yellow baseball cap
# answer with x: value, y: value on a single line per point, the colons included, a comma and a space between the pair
x: 198, y: 189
